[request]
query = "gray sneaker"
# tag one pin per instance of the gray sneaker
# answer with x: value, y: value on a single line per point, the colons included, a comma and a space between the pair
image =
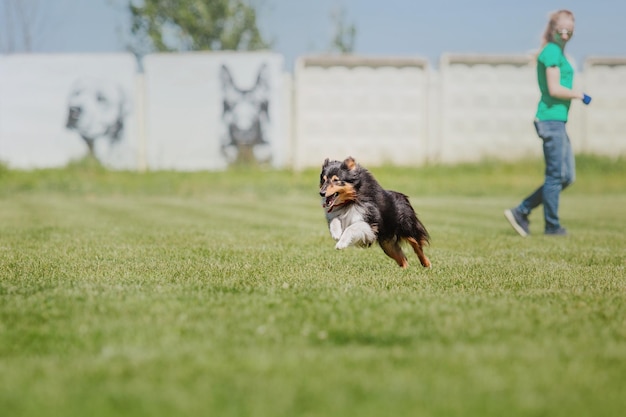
x: 518, y: 220
x: 561, y: 231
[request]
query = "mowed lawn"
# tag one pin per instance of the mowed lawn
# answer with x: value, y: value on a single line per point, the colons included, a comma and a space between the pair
x: 221, y: 294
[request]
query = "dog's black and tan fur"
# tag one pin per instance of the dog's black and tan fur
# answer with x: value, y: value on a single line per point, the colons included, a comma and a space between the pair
x: 360, y: 212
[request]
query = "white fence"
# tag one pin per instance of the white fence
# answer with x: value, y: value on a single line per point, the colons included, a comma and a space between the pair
x: 474, y: 107
x: 37, y: 128
x: 603, y: 127
x: 487, y: 108
x: 374, y: 109
x: 199, y: 111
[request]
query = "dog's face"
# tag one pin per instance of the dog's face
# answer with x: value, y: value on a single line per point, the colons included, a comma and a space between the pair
x: 96, y: 108
x: 245, y: 109
x: 338, y: 183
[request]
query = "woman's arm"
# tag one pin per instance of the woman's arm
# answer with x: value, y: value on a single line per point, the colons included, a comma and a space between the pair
x: 556, y: 90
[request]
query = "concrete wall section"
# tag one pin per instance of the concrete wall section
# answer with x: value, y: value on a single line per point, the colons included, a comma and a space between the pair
x: 374, y: 109
x: 60, y: 107
x: 605, y: 118
x: 210, y: 110
x: 488, y: 105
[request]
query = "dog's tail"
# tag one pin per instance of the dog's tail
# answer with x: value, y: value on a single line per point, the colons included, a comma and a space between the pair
x: 420, y: 232
x: 413, y: 230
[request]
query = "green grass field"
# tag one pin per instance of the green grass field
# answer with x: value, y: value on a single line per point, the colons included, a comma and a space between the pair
x: 221, y: 294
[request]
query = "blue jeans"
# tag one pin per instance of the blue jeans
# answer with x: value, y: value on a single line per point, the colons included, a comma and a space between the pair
x: 560, y: 172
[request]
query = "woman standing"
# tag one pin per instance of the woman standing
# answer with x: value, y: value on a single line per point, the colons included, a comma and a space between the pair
x: 555, y: 77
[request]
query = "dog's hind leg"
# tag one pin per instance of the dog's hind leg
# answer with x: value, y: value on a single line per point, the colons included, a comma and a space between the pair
x: 394, y: 251
x: 419, y: 251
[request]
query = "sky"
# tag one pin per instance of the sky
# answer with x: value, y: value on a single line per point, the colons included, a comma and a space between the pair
x: 407, y: 28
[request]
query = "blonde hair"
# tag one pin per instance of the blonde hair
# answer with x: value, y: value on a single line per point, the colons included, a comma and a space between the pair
x: 548, y: 35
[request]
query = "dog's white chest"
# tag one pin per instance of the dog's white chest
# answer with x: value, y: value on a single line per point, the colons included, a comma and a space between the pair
x: 347, y: 216
x: 348, y: 227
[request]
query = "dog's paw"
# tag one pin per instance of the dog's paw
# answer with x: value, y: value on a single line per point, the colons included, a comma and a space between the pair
x: 341, y: 245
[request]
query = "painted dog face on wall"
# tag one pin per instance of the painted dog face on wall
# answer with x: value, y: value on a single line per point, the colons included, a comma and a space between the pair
x: 245, y: 119
x: 96, y: 111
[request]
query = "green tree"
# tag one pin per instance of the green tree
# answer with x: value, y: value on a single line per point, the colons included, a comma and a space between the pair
x: 344, y: 33
x: 193, y: 25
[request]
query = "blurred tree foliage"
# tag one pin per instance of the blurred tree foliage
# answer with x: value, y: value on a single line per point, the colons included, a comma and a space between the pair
x: 193, y: 25
x: 344, y: 34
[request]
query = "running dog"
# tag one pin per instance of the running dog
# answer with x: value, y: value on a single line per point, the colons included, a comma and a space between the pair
x: 360, y: 212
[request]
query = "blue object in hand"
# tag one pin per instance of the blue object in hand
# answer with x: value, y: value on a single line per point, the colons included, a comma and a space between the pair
x: 586, y: 99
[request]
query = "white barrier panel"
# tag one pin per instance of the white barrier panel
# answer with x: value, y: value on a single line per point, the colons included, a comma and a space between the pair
x: 211, y: 109
x: 61, y: 107
x: 605, y: 117
x: 206, y: 110
x: 374, y: 109
x: 488, y: 107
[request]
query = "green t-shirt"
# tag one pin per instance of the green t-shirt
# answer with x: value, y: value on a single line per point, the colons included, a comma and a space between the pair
x: 551, y: 108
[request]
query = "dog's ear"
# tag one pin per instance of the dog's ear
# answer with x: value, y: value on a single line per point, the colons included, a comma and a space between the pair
x: 125, y: 102
x: 226, y: 78
x: 349, y: 163
x: 229, y: 90
x: 326, y: 162
x: 261, y: 90
x: 115, y: 131
x: 262, y: 84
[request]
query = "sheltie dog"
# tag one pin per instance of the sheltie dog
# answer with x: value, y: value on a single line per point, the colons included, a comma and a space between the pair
x: 360, y: 212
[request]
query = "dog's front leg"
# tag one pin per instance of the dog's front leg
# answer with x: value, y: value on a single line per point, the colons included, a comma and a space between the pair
x: 335, y: 228
x: 359, y: 233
